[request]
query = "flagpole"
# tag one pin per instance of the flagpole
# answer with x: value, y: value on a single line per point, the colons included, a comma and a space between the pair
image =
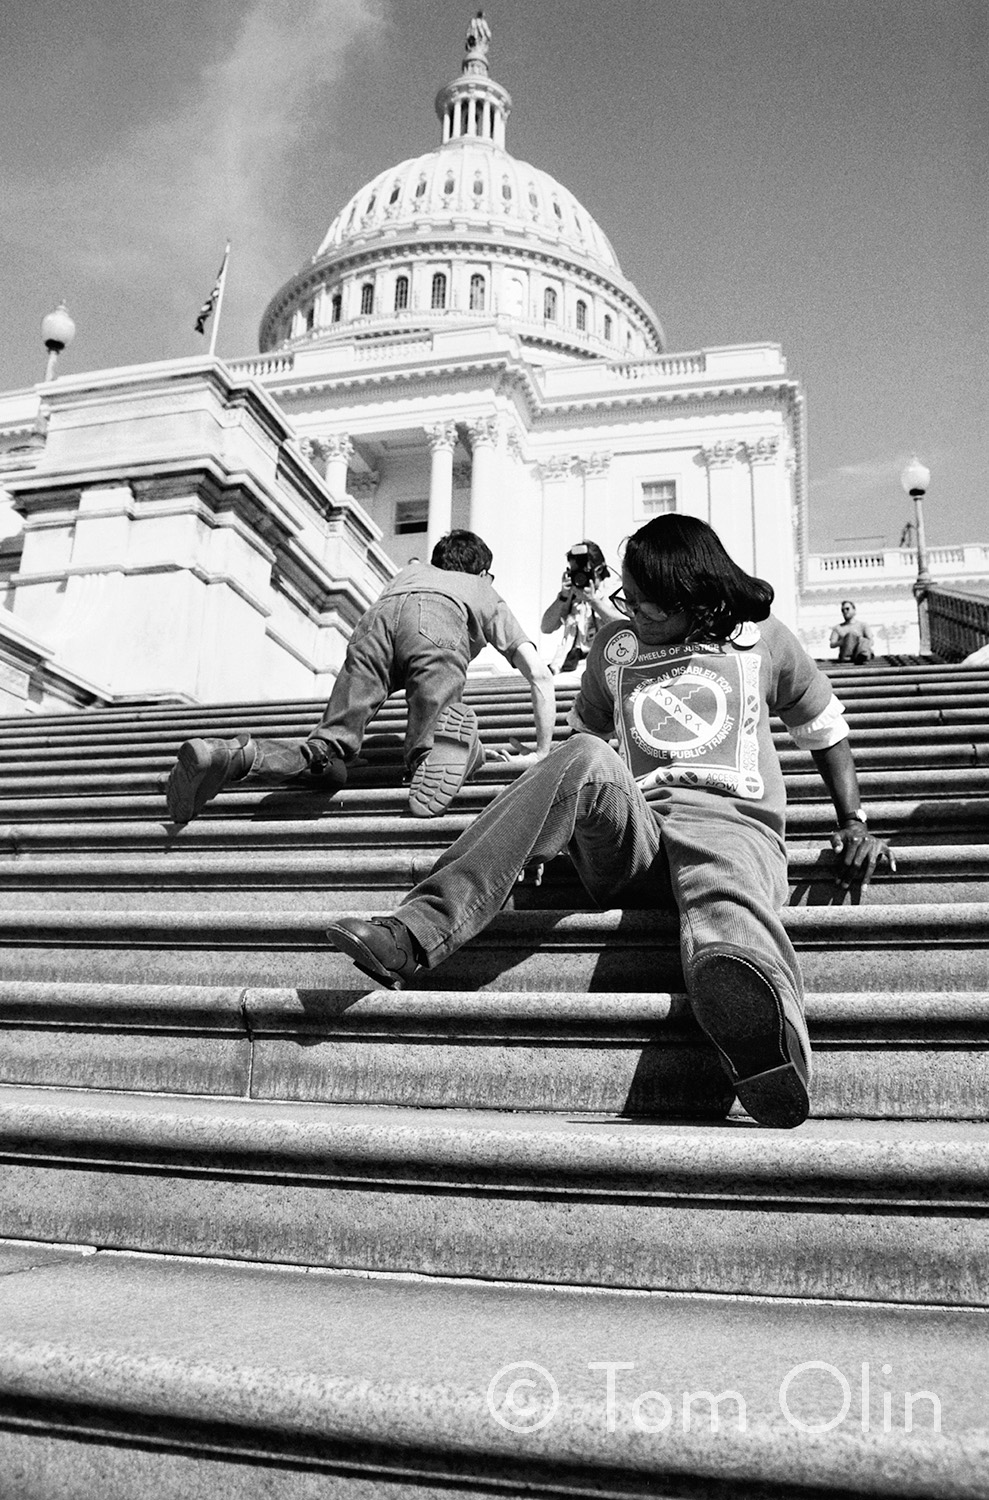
x: 219, y: 303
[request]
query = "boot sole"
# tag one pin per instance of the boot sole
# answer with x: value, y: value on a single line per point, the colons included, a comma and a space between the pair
x: 193, y: 781
x: 760, y: 1050
x: 360, y: 954
x: 456, y: 754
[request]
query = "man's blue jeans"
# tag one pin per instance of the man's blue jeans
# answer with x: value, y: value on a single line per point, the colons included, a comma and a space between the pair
x: 415, y: 641
x: 725, y: 872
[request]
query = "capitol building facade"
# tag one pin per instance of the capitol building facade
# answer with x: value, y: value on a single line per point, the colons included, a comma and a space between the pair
x: 462, y: 349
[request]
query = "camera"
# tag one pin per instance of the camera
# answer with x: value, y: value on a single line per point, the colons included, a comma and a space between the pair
x: 585, y: 566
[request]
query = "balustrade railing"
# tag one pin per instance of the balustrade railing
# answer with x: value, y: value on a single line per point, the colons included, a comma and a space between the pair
x: 958, y: 622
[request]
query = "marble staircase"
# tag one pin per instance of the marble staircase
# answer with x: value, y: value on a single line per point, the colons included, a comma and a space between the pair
x: 266, y: 1230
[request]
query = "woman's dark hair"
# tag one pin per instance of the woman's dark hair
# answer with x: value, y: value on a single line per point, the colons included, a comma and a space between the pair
x: 678, y: 562
x: 461, y: 552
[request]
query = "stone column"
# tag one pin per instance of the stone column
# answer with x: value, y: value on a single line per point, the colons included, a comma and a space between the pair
x: 442, y: 441
x: 595, y: 472
x: 772, y: 511
x: 729, y: 505
x: 337, y: 450
x: 485, y: 509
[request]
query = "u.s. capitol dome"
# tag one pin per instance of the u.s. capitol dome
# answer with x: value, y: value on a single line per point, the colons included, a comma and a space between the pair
x: 467, y: 234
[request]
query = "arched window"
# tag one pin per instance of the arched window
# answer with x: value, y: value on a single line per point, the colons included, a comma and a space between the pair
x: 533, y: 199
x: 401, y: 293
x: 477, y: 293
x: 420, y: 187
x: 581, y: 314
x: 506, y: 190
x: 478, y: 186
x: 370, y: 203
x: 557, y: 210
x: 438, y: 298
x: 478, y: 117
x: 336, y: 307
x: 310, y: 316
x: 367, y: 297
x: 464, y: 116
x: 449, y: 185
x: 607, y: 326
x: 395, y: 192
x: 549, y: 305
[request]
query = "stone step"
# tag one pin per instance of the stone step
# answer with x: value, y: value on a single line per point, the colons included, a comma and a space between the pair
x: 378, y: 877
x: 111, y: 776
x: 130, y: 752
x: 885, y: 1055
x: 124, y: 1375
x: 914, y: 947
x: 888, y: 1210
x: 500, y: 716
x: 379, y: 792
x: 370, y: 820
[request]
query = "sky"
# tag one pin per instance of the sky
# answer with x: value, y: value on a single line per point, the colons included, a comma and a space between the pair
x: 809, y: 173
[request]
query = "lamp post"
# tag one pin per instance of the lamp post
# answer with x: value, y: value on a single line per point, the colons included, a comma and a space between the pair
x: 915, y: 480
x: 58, y: 331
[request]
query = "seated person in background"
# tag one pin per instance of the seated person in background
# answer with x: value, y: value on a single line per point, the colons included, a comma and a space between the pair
x: 853, y: 636
x: 420, y: 634
x: 581, y: 606
x: 691, y: 803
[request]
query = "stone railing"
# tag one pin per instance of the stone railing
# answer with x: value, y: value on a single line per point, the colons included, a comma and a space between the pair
x: 673, y: 367
x: 264, y: 364
x: 958, y: 622
x: 895, y: 564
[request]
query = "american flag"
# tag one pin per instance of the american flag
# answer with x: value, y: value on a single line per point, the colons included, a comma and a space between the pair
x: 205, y: 312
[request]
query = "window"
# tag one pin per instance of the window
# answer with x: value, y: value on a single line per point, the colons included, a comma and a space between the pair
x: 367, y: 297
x: 607, y: 326
x: 449, y: 185
x: 401, y: 293
x: 533, y: 199
x: 336, y: 308
x: 581, y: 314
x: 438, y: 297
x: 549, y: 305
x: 395, y: 192
x: 478, y: 186
x: 659, y: 497
x: 310, y: 317
x: 479, y: 117
x: 558, y: 210
x: 464, y: 116
x: 477, y: 293
x: 411, y: 515
x: 420, y: 187
x: 370, y: 203
x: 506, y: 190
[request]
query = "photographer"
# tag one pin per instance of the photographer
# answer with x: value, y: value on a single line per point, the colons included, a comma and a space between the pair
x: 581, y: 606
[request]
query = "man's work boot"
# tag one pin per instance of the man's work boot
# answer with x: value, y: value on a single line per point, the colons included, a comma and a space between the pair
x: 761, y: 1037
x: 382, y: 947
x: 456, y: 754
x: 202, y: 769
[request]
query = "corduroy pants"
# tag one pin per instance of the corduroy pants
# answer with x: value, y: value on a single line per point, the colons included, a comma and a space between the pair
x: 725, y: 872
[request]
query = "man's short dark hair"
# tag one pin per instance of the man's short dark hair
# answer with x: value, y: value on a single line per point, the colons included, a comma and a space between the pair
x: 461, y: 552
x: 850, y: 602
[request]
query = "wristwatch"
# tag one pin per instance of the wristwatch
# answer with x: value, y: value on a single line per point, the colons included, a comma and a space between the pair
x: 857, y: 815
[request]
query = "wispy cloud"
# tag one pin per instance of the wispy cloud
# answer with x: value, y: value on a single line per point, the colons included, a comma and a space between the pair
x: 861, y: 479
x: 157, y: 209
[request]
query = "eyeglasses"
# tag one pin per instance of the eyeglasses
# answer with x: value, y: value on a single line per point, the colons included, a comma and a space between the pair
x: 620, y: 602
